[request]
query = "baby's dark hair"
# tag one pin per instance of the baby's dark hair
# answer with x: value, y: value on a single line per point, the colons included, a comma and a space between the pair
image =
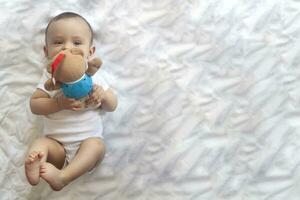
x: 66, y: 15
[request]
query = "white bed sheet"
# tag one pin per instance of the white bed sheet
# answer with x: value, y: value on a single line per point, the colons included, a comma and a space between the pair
x: 208, y: 98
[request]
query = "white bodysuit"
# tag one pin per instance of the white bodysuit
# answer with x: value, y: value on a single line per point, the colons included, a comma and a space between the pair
x: 72, y: 127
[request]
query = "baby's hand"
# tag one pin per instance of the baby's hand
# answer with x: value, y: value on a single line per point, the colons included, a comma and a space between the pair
x: 68, y: 103
x: 97, y: 96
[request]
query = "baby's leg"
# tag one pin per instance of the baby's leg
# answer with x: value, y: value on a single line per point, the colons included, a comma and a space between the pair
x: 91, y: 152
x: 42, y: 149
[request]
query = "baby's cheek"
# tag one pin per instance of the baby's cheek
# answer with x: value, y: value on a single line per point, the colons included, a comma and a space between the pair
x: 54, y: 52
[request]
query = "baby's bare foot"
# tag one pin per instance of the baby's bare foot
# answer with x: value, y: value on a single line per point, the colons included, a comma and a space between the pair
x: 32, y: 167
x: 52, y: 176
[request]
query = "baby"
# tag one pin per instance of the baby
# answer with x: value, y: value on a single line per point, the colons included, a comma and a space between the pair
x: 72, y: 142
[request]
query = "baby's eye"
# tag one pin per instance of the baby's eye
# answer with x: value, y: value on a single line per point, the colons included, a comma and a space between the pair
x: 58, y: 42
x: 77, y: 43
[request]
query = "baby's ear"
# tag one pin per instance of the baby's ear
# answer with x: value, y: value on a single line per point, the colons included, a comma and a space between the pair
x: 77, y: 51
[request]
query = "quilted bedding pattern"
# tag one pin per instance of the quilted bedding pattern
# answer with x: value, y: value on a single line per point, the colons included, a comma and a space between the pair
x: 208, y: 98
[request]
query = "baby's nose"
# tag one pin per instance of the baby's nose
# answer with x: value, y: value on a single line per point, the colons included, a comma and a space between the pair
x: 67, y: 45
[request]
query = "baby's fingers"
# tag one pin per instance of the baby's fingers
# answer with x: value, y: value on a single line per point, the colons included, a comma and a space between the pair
x: 76, y: 105
x: 90, y: 99
x: 93, y: 97
x: 64, y: 102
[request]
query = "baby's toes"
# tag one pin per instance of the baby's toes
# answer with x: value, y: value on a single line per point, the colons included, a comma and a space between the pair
x: 40, y: 155
x: 36, y: 154
x: 30, y: 159
x: 33, y: 154
x: 42, y: 168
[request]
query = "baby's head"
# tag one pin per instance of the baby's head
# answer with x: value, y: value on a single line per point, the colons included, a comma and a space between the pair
x: 68, y: 30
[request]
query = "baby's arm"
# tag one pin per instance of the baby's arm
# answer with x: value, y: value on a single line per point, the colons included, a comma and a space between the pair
x: 42, y: 104
x: 109, y: 101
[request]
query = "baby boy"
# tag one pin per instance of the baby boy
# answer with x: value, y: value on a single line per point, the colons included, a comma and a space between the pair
x: 72, y: 137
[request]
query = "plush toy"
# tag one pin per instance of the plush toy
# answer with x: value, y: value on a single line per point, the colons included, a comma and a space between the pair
x: 72, y: 74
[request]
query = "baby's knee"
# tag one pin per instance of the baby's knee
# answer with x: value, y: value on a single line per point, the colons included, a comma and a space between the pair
x: 40, y: 145
x: 42, y: 140
x: 95, y: 143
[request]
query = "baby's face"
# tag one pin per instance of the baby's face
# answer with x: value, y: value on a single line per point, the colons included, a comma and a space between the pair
x: 66, y: 34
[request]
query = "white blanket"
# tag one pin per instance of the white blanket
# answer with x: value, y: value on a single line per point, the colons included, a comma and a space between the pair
x: 208, y: 98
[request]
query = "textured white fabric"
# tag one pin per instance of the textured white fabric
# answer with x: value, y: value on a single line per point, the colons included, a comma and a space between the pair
x: 71, y: 150
x: 208, y: 90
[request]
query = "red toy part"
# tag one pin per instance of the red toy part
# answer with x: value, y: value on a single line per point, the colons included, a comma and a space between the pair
x: 56, y: 62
